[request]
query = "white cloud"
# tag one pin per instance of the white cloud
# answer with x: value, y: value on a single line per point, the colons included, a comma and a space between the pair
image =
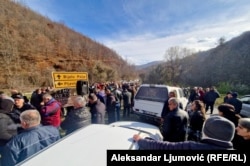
x: 144, y: 49
x: 148, y: 29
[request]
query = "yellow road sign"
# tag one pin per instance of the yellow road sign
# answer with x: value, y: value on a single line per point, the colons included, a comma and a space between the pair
x: 65, y: 84
x: 69, y: 76
x: 68, y: 79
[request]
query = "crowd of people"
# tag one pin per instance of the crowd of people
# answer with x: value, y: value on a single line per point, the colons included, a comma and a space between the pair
x: 29, y: 125
x: 192, y: 130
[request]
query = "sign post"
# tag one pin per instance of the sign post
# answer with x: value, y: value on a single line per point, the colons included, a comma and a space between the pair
x: 68, y: 79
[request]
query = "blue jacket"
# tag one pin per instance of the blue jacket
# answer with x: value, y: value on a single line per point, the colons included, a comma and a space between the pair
x: 28, y: 142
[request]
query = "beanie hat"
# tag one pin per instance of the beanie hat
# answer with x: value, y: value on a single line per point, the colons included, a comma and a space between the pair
x: 218, y: 127
x: 226, y: 108
x: 235, y: 94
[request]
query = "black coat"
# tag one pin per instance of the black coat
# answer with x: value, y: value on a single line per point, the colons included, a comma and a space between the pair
x: 175, y: 125
x: 97, y: 110
x: 236, y: 103
x: 7, y: 129
x: 76, y: 119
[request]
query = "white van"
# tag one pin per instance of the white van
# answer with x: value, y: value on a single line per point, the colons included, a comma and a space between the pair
x: 150, y: 98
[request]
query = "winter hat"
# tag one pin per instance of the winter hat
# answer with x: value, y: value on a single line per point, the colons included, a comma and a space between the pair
x: 218, y: 127
x: 226, y: 108
x: 17, y: 96
x: 235, y: 94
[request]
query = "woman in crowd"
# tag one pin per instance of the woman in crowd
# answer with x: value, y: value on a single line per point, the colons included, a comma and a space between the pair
x: 197, y: 118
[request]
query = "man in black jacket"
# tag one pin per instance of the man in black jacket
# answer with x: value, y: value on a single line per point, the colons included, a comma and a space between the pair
x: 235, y: 102
x: 97, y: 109
x: 174, y: 128
x: 210, y: 98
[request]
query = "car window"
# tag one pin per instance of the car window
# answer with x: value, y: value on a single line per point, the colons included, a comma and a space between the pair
x: 152, y: 93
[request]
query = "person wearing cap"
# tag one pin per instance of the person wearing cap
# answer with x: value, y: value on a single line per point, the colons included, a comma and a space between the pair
x: 33, y: 138
x: 235, y: 102
x: 243, y: 130
x: 19, y: 107
x: 217, y: 134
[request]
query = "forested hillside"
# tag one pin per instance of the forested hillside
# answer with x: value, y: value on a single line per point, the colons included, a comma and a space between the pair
x: 32, y: 46
x: 227, y: 66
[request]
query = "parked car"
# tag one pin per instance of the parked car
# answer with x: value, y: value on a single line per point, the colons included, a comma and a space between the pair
x: 89, y: 145
x: 150, y: 98
x: 245, y: 111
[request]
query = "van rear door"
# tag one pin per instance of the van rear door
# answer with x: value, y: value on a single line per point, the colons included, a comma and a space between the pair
x: 149, y: 100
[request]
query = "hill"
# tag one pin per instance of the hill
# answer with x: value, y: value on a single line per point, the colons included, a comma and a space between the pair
x: 227, y: 65
x: 148, y: 65
x: 32, y: 46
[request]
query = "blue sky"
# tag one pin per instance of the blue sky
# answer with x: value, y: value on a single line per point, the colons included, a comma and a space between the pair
x: 142, y: 30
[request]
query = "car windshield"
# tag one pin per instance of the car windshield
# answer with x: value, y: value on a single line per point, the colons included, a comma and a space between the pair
x: 152, y: 93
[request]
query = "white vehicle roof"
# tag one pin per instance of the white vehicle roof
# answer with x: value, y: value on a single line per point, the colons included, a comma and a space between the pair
x: 89, y: 145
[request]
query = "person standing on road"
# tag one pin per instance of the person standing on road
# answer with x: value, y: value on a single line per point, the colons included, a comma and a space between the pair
x: 165, y: 109
x: 19, y: 107
x: 32, y: 139
x: 227, y: 97
x: 97, y: 109
x: 197, y: 118
x: 78, y: 117
x: 210, y: 98
x: 110, y: 105
x: 118, y: 96
x: 174, y: 128
x: 126, y: 97
x: 235, y: 102
x: 50, y: 111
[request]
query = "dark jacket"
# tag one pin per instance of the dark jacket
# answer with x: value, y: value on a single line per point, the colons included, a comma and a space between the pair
x: 76, y: 119
x: 195, y: 125
x: 28, y: 142
x: 196, y: 121
x: 110, y: 103
x: 6, y: 104
x: 36, y: 100
x: 175, y: 125
x: 236, y: 103
x: 211, y: 96
x: 243, y: 145
x: 51, y: 113
x: 205, y: 144
x: 15, y: 113
x: 126, y: 97
x: 97, y: 111
x: 7, y: 129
